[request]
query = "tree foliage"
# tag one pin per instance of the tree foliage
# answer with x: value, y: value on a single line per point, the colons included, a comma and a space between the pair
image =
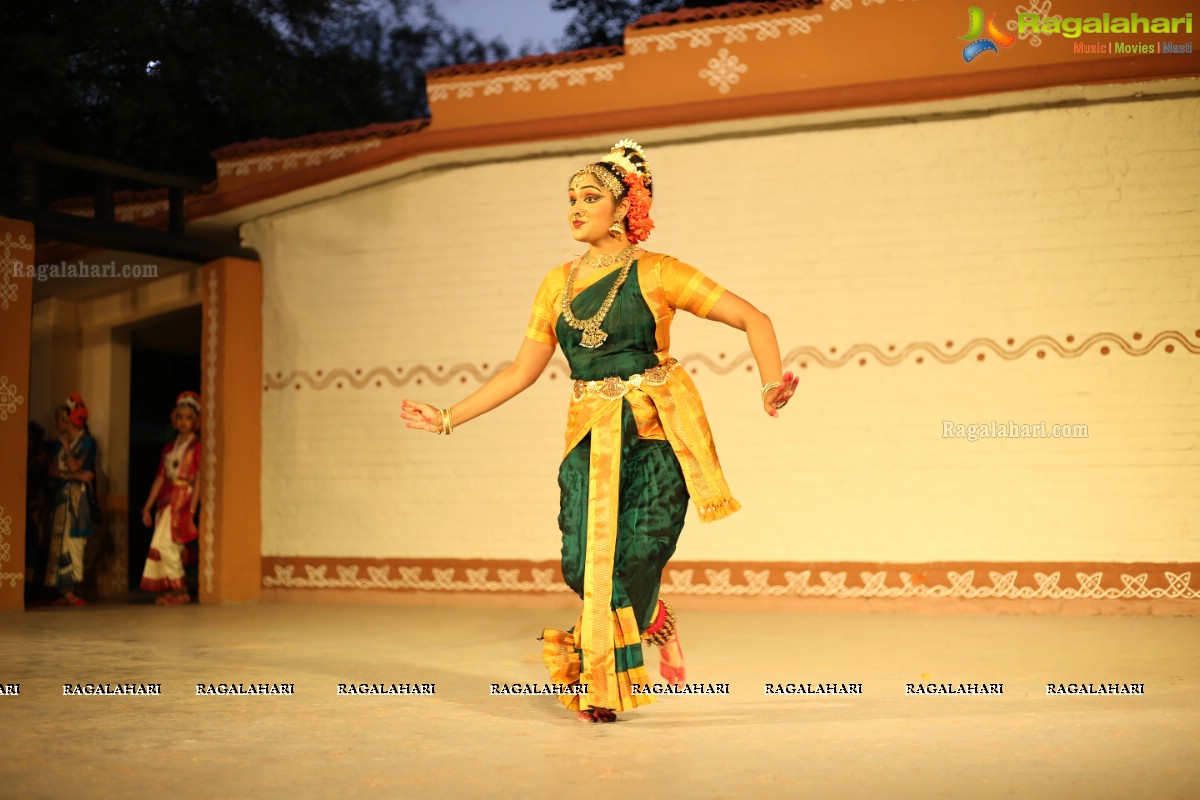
x: 601, y: 23
x: 161, y: 83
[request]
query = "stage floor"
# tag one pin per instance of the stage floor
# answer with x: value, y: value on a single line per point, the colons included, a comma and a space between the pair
x: 464, y: 742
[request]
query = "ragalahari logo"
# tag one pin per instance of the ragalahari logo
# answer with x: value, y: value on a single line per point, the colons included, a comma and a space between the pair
x: 983, y: 36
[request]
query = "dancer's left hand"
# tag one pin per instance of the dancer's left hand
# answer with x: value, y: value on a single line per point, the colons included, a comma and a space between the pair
x: 778, y: 397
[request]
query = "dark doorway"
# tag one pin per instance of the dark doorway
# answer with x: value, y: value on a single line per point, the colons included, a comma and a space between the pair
x: 164, y: 361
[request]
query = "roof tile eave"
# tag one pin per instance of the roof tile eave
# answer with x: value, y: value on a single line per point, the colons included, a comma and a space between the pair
x: 376, y: 130
x: 685, y: 16
x: 527, y: 62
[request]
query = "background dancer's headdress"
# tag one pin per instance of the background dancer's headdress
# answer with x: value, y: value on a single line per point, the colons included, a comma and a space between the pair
x: 76, y: 410
x: 189, y: 399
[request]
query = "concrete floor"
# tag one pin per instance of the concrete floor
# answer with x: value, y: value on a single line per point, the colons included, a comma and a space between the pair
x: 463, y: 743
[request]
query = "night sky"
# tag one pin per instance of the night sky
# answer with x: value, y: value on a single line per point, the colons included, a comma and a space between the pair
x: 516, y: 21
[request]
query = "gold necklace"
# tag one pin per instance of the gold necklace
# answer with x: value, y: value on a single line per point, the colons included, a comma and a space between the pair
x: 607, y: 259
x: 593, y: 337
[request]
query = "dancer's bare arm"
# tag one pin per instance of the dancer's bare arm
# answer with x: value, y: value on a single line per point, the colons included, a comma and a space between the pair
x: 760, y: 333
x: 506, y: 384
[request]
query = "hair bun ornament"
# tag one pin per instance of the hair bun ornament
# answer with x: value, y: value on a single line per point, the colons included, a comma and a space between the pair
x: 620, y: 155
x: 189, y: 399
x: 78, y: 413
x: 639, y: 187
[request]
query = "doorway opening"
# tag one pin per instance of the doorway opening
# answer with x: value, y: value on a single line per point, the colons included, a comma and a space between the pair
x: 164, y: 361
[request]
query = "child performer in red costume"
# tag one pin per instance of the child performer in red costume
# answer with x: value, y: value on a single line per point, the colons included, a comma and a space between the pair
x: 173, y: 497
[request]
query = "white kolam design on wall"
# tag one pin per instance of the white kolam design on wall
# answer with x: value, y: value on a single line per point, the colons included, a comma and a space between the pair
x: 763, y: 29
x: 543, y: 80
x: 294, y: 159
x: 757, y: 583
x: 9, y: 264
x: 723, y: 71
x: 210, y: 431
x: 6, y: 530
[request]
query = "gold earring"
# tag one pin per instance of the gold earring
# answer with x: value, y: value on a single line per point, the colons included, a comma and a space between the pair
x: 616, y: 229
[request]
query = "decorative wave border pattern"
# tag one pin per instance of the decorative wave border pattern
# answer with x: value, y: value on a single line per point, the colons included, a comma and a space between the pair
x: 1042, y: 345
x: 802, y: 357
x: 542, y: 80
x: 1119, y: 582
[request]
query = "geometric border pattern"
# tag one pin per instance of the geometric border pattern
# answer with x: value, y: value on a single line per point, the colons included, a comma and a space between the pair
x: 11, y: 264
x: 668, y: 38
x: 209, y: 429
x: 1089, y: 581
x: 977, y: 349
x: 294, y: 159
x: 638, y: 43
x: 518, y: 82
x: 6, y: 529
x: 8, y: 267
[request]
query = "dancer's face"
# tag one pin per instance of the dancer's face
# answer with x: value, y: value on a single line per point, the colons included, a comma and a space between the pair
x: 62, y: 423
x: 184, y: 419
x: 590, y: 209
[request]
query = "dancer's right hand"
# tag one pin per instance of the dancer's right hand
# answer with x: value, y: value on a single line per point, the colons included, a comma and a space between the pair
x: 421, y: 416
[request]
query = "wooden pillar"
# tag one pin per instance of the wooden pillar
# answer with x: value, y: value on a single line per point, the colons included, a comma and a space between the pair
x: 231, y: 431
x: 16, y: 309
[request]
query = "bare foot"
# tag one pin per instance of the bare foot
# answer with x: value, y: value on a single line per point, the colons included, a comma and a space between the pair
x: 597, y: 715
x: 671, y: 663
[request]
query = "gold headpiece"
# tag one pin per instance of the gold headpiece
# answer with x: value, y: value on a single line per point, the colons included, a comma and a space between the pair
x: 611, y: 182
x: 619, y: 165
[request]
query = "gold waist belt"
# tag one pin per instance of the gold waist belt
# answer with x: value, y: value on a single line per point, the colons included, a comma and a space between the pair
x: 615, y: 388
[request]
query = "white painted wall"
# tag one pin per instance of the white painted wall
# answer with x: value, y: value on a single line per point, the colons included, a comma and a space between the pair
x: 1052, y: 222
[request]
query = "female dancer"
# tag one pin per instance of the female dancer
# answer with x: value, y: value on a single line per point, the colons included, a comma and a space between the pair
x: 638, y: 444
x: 174, y: 497
x: 73, y: 470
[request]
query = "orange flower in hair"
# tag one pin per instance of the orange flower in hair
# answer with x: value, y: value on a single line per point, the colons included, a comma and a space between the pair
x: 638, y: 223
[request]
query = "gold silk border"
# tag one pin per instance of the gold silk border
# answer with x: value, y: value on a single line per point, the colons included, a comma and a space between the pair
x: 561, y: 656
x: 596, y: 623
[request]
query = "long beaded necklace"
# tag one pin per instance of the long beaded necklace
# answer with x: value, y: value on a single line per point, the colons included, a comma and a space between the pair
x: 593, y: 337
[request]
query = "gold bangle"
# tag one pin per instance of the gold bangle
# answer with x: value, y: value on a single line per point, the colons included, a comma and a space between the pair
x: 447, y: 422
x: 769, y: 387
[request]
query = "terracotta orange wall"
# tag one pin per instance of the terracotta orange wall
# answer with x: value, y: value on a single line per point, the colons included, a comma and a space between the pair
x: 807, y: 59
x: 231, y: 524
x: 842, y: 54
x: 16, y: 297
